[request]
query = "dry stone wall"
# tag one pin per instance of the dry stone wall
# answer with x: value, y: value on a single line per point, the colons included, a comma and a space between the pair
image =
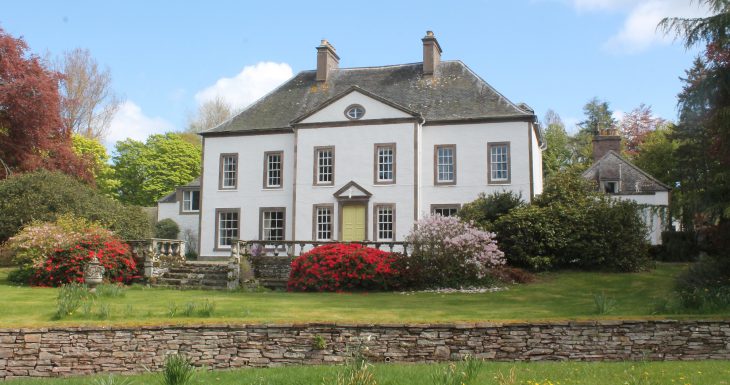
x: 77, y: 351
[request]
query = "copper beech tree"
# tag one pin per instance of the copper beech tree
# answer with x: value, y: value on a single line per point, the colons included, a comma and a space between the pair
x: 32, y: 135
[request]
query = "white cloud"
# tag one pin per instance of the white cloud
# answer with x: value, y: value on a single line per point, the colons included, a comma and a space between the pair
x: 248, y: 86
x: 639, y: 30
x: 592, y: 5
x: 131, y: 122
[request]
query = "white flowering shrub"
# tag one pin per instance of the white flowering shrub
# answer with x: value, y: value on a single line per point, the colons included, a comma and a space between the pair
x: 447, y: 252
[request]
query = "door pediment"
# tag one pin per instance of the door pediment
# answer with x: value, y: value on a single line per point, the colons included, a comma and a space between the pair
x: 352, y: 191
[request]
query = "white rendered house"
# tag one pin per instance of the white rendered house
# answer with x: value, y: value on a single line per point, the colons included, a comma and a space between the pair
x: 183, y: 207
x: 361, y: 153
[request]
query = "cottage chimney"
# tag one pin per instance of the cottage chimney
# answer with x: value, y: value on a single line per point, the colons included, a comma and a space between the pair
x: 327, y: 60
x: 605, y: 141
x: 431, y: 54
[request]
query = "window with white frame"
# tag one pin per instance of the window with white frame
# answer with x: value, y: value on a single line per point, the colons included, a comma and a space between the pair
x: 190, y: 200
x: 324, y: 165
x: 445, y: 164
x: 227, y: 226
x: 273, y: 169
x: 272, y: 224
x: 384, y: 222
x: 323, y: 222
x: 445, y: 210
x: 229, y: 171
x: 385, y: 163
x: 499, y: 158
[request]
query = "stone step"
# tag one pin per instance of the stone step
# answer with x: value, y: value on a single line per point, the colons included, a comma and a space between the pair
x: 273, y: 283
x: 191, y: 287
x: 199, y: 268
x: 196, y: 275
x: 183, y: 281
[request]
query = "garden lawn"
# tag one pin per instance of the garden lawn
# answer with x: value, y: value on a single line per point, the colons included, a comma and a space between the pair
x: 555, y: 296
x: 544, y: 373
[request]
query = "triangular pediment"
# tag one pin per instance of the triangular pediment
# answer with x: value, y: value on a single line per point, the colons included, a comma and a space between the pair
x: 375, y: 108
x: 352, y: 190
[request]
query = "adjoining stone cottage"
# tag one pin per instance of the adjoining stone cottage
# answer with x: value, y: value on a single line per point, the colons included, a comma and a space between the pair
x: 617, y: 176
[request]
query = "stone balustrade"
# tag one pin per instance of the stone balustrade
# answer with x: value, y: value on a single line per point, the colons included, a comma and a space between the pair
x: 295, y: 248
x: 158, y: 254
x: 256, y: 262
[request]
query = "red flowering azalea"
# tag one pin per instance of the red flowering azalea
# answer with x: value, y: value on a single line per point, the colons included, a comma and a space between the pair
x: 338, y: 267
x: 67, y: 265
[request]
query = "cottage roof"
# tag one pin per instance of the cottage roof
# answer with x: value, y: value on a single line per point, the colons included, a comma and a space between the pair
x: 457, y: 93
x: 614, y: 167
x: 172, y: 197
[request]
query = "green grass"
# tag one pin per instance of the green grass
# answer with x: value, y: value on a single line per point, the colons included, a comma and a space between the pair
x: 556, y: 296
x: 562, y: 373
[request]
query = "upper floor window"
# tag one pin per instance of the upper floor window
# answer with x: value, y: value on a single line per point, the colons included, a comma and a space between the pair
x: 498, y: 160
x: 191, y: 200
x: 272, y: 223
x: 324, y: 165
x: 273, y: 165
x: 384, y: 222
x: 610, y: 187
x: 445, y: 164
x: 355, y: 112
x: 385, y: 163
x: 228, y: 175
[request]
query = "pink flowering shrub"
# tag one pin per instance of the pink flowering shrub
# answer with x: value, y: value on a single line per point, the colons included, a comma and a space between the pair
x: 448, y: 252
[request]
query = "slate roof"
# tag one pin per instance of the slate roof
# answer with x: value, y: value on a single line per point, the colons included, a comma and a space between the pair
x: 613, y: 166
x: 457, y: 93
x: 172, y: 197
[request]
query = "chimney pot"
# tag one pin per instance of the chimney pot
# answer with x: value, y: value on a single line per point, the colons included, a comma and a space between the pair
x: 431, y: 55
x: 327, y: 60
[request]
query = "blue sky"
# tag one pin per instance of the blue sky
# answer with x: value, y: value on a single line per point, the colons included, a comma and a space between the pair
x: 166, y: 57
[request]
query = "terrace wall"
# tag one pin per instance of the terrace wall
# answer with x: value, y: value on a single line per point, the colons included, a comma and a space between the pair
x: 77, y: 351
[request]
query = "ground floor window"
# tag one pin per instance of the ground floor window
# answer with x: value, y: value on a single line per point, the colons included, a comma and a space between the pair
x: 272, y: 223
x: 384, y: 222
x: 445, y: 210
x: 323, y: 222
x: 227, y: 226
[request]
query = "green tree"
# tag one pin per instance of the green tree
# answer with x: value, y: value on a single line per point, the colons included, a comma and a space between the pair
x: 598, y: 117
x: 557, y: 155
x: 95, y: 154
x: 44, y: 196
x: 147, y: 171
x: 703, y: 130
x: 657, y: 155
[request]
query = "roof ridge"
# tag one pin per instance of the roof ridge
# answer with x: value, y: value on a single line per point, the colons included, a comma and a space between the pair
x: 259, y: 100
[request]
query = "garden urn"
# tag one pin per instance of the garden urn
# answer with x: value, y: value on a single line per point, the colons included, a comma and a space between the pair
x: 93, y: 274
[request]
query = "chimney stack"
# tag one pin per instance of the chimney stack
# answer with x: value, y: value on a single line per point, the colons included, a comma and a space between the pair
x: 605, y: 141
x: 327, y: 60
x: 431, y: 54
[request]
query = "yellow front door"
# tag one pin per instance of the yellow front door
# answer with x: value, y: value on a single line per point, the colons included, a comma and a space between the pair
x: 353, y: 223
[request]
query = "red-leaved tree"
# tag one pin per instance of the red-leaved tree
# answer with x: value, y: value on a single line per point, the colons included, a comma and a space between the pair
x: 32, y: 135
x: 636, y: 125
